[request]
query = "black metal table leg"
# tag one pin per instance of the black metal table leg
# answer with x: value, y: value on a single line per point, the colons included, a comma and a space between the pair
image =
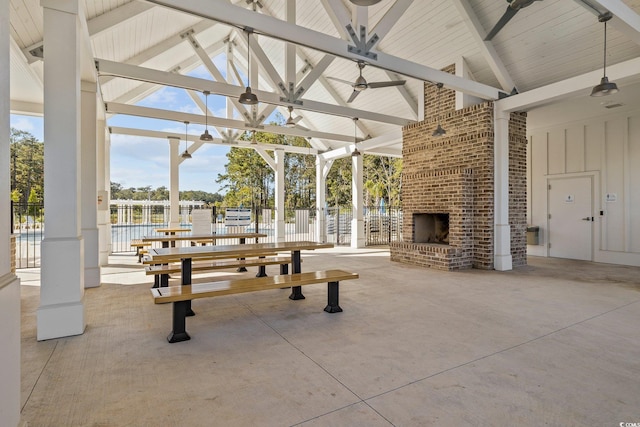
x: 262, y: 270
x: 179, y: 332
x: 296, y: 267
x: 242, y: 269
x: 186, y: 281
x: 333, y: 289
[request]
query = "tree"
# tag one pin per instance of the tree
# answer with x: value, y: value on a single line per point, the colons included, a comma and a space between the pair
x: 382, y: 180
x: 27, y: 166
x: 248, y: 180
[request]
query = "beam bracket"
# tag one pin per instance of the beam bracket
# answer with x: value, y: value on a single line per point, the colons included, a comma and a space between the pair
x: 291, y: 96
x: 362, y: 45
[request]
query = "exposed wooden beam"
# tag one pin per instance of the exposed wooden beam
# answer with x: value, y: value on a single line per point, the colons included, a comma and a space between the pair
x: 625, y: 19
x: 221, y: 10
x: 178, y: 116
x: 117, y: 130
x: 486, y: 47
x: 567, y: 88
x: 177, y: 80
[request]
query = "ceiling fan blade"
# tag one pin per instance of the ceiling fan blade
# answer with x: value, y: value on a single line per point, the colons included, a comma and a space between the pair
x: 340, y: 80
x: 510, y: 12
x: 353, y: 95
x: 374, y: 85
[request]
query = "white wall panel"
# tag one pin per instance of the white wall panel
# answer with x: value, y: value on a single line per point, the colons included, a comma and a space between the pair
x: 574, y: 160
x: 607, y: 145
x: 556, y: 152
x: 538, y: 169
x: 594, y: 139
x: 614, y: 158
x: 634, y: 184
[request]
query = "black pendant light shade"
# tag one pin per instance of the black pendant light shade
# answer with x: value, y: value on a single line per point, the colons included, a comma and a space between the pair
x: 364, y: 2
x: 439, y: 131
x: 248, y: 97
x: 605, y: 87
x: 186, y: 154
x: 206, y: 136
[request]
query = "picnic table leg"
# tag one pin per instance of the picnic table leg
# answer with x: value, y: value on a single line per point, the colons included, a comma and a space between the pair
x: 262, y: 270
x: 186, y: 281
x: 296, y: 267
x: 332, y: 299
x: 243, y: 269
x: 179, y: 332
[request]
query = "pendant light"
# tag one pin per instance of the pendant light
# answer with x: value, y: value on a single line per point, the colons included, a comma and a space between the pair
x: 290, y: 123
x: 355, y: 152
x: 364, y: 2
x: 206, y: 136
x: 605, y: 87
x: 247, y: 97
x: 439, y: 130
x: 186, y: 154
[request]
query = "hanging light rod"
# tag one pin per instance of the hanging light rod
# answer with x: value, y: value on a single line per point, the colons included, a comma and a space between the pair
x: 248, y: 97
x: 186, y: 154
x: 206, y: 136
x: 355, y: 152
x: 439, y: 131
x: 605, y: 87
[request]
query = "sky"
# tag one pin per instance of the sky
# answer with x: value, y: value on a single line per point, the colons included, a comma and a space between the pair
x: 139, y: 161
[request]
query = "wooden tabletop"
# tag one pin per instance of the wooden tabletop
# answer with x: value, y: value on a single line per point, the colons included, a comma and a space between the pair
x: 210, y: 237
x: 172, y: 230
x: 194, y: 252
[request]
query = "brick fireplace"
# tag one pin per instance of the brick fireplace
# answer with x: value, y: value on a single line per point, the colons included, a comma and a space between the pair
x: 450, y: 179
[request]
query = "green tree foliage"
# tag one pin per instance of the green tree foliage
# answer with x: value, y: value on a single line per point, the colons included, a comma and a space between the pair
x: 382, y: 180
x: 27, y: 167
x: 248, y: 180
x: 118, y: 192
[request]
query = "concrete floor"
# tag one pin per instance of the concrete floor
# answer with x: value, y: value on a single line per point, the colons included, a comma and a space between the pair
x: 554, y: 343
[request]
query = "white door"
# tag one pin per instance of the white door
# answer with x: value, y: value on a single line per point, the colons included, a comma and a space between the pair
x: 571, y: 218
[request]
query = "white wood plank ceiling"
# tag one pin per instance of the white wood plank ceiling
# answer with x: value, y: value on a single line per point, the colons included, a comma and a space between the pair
x: 544, y: 43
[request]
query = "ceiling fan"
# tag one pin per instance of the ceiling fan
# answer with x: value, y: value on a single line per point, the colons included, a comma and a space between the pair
x: 512, y: 9
x: 361, y: 84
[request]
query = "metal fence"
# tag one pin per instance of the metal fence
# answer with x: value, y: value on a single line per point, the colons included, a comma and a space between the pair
x: 382, y: 226
x: 28, y: 228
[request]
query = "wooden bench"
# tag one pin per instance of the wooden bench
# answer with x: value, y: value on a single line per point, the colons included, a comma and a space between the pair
x: 139, y: 245
x: 162, y: 272
x: 181, y: 296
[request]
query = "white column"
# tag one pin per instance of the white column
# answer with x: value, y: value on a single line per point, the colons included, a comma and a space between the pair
x: 61, y: 312
x: 88, y: 184
x: 502, y: 231
x: 174, y: 182
x: 279, y: 155
x: 321, y: 213
x: 357, y: 185
x: 9, y: 283
x: 120, y: 213
x: 103, y: 184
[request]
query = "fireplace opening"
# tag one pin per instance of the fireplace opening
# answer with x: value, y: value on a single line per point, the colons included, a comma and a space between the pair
x: 431, y: 228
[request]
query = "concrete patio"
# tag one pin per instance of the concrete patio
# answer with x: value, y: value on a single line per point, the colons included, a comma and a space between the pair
x: 552, y: 343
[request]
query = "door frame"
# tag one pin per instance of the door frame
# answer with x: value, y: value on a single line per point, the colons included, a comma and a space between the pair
x: 595, y: 206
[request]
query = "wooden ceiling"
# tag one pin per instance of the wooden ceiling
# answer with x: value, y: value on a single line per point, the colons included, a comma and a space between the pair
x: 547, y: 42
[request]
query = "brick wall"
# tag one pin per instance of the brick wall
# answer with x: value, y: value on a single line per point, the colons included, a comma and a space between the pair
x: 454, y: 174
